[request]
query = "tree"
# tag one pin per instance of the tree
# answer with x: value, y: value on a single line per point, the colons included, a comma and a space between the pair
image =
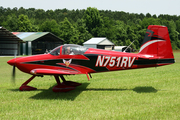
x: 173, y: 34
x: 77, y: 26
x: 21, y: 11
x: 2, y: 15
x: 132, y: 37
x: 92, y: 19
x: 50, y: 26
x: 141, y: 16
x: 149, y: 21
x: 154, y: 16
x: 148, y: 15
x: 12, y: 23
x: 68, y: 32
x: 24, y: 24
x: 107, y: 29
x: 121, y: 35
x: 40, y: 14
x: 50, y: 14
x: 84, y: 35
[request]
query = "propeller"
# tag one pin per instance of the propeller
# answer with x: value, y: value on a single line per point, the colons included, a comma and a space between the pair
x: 13, y: 74
x: 14, y: 70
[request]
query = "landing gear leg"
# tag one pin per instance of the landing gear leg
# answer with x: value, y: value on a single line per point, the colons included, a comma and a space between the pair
x: 61, y: 87
x: 69, y: 83
x: 25, y: 87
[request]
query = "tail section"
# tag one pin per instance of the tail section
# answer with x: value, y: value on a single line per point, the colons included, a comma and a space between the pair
x: 157, y: 43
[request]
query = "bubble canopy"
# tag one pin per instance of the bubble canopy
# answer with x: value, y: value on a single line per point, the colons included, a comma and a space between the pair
x: 69, y: 49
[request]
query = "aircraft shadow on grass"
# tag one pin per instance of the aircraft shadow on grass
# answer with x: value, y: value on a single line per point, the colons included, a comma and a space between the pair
x: 140, y: 89
x: 71, y: 95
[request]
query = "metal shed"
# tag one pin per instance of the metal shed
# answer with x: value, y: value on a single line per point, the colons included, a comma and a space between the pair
x: 37, y: 42
x: 9, y: 43
x: 99, y: 42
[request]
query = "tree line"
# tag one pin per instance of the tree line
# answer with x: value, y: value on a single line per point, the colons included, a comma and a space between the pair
x: 78, y: 26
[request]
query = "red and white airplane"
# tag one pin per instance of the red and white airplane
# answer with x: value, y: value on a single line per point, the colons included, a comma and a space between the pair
x: 72, y: 59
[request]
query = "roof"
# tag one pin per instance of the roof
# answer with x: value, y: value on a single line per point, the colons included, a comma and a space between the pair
x: 31, y: 36
x: 7, y: 35
x: 98, y: 41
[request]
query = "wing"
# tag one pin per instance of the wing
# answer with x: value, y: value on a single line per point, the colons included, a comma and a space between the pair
x: 41, y: 71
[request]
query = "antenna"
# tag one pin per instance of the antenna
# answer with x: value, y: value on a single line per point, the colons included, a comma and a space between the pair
x: 128, y: 46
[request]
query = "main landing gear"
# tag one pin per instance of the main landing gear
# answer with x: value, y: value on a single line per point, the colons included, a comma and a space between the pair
x: 65, y: 86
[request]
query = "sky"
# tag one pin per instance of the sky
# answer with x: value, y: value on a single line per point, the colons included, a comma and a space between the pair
x: 171, y: 7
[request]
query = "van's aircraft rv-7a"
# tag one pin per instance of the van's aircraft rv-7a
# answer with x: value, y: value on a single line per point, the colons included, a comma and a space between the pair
x: 72, y: 59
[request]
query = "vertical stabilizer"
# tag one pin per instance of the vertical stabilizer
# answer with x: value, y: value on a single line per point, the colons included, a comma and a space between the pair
x: 157, y: 42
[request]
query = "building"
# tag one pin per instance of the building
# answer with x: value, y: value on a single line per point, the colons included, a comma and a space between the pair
x: 27, y: 43
x: 37, y: 42
x: 9, y: 43
x: 99, y: 42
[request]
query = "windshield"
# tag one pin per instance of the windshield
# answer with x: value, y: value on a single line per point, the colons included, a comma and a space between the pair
x: 71, y: 49
x: 55, y: 51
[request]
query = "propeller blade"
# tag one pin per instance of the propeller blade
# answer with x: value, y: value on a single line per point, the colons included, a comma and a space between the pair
x: 14, y: 70
x: 13, y: 74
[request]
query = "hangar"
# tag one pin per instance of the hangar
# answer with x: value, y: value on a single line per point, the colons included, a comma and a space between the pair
x: 27, y: 43
x: 9, y: 43
x: 37, y: 42
x: 99, y: 42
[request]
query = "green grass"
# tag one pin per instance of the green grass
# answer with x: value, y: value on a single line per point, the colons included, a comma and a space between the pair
x: 150, y: 93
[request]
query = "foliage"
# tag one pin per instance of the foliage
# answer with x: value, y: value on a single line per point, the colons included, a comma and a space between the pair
x: 24, y: 24
x: 93, y: 20
x: 50, y: 26
x: 84, y: 34
x: 68, y: 32
x: 12, y: 23
x: 77, y: 26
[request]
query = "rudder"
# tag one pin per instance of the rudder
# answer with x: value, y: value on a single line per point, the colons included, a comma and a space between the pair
x: 157, y: 42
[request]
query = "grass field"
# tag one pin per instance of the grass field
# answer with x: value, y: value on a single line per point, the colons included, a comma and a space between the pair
x: 150, y: 93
